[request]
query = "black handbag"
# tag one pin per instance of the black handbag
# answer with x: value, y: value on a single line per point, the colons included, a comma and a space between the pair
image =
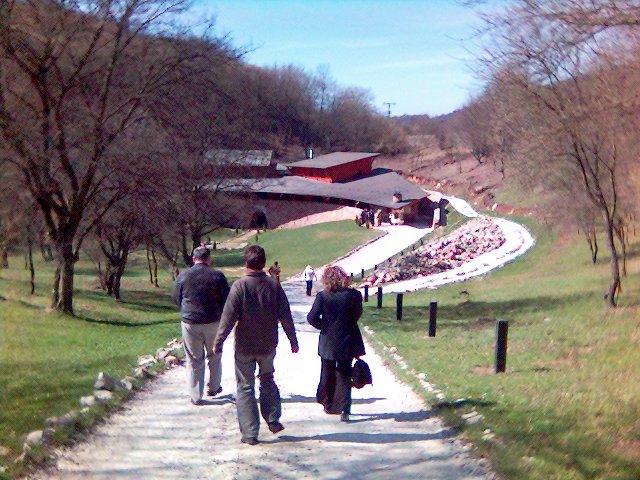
x: 361, y: 374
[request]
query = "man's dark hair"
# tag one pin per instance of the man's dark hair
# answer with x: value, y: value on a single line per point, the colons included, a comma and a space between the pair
x: 201, y: 253
x: 254, y: 257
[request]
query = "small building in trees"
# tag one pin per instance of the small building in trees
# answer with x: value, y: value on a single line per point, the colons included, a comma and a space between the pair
x: 334, y: 167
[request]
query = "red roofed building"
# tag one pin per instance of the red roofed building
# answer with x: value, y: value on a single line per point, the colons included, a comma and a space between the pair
x: 334, y: 167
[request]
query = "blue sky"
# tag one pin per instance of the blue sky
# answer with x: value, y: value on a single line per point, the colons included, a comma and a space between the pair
x: 409, y: 52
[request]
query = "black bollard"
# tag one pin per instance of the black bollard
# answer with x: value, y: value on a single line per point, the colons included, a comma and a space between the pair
x: 362, y: 274
x: 366, y: 293
x: 215, y: 245
x: 399, y: 307
x: 502, y: 328
x: 433, y: 314
x: 352, y: 277
x: 379, y: 297
x: 375, y: 267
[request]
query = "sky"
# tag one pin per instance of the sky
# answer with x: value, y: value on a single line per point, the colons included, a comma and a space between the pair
x: 409, y: 52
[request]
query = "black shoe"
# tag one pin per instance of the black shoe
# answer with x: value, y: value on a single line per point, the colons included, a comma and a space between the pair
x: 250, y: 441
x: 275, y: 427
x: 212, y: 393
x: 344, y: 417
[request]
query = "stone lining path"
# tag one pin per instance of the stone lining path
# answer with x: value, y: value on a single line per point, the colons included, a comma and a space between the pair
x: 160, y: 435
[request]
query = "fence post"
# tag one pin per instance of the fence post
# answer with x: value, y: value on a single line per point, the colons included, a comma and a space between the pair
x: 502, y: 329
x: 399, y: 307
x: 366, y: 293
x: 352, y: 276
x: 362, y: 274
x: 379, y: 297
x: 433, y: 314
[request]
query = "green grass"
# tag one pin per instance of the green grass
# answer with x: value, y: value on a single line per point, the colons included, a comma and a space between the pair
x: 568, y: 406
x: 314, y: 245
x: 48, y: 361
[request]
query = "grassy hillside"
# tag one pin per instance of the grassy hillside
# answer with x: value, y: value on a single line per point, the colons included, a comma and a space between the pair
x: 568, y: 407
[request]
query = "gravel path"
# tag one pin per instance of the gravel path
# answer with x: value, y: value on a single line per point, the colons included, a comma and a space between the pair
x: 160, y: 435
x: 393, y: 434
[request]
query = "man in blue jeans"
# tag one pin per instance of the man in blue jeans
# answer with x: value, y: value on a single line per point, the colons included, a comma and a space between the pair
x: 257, y: 303
x: 200, y: 292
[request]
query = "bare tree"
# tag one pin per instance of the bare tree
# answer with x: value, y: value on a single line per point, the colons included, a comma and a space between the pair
x: 575, y: 108
x: 76, y: 75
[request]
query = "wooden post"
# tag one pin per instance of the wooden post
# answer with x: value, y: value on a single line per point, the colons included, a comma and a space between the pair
x: 502, y: 328
x: 379, y: 297
x: 366, y: 293
x: 215, y: 245
x: 433, y: 314
x: 399, y: 306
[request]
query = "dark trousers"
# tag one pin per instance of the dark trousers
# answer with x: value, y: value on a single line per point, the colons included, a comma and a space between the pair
x: 334, y: 390
x: 309, y: 287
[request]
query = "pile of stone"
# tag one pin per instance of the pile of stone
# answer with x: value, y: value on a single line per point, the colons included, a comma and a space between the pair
x: 479, y: 236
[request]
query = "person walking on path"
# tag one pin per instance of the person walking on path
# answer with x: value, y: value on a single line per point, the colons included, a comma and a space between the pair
x: 309, y: 276
x: 274, y: 271
x: 201, y: 292
x: 256, y: 303
x: 335, y: 312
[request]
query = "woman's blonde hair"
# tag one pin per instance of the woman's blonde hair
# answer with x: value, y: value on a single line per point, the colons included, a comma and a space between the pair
x: 335, y: 278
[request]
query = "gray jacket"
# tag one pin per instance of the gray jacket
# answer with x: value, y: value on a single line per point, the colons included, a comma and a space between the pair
x: 256, y: 303
x: 200, y: 292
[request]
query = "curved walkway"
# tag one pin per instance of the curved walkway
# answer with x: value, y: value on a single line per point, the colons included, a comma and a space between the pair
x: 160, y: 435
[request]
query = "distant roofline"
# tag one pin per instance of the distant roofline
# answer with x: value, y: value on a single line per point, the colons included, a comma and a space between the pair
x: 322, y: 162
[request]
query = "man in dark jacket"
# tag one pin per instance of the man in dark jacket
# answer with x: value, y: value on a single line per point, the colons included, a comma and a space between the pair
x: 256, y: 303
x: 200, y: 292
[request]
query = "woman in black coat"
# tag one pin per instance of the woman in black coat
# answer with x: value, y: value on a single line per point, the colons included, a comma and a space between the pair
x: 335, y: 313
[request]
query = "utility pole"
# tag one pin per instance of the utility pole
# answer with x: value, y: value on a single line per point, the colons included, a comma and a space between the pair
x: 388, y: 104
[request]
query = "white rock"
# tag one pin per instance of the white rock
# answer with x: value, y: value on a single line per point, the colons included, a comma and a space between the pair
x: 171, y: 360
x: 422, y: 376
x: 146, y: 360
x: 4, y: 452
x: 393, y: 350
x: 126, y: 384
x: 103, y: 395
x: 88, y: 401
x: 63, y: 421
x: 105, y: 382
x: 37, y: 438
x: 487, y: 437
x: 162, y: 353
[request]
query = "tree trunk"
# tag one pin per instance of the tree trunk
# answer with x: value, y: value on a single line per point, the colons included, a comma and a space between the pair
x: 149, y: 266
x: 65, y: 305
x: 118, y: 273
x: 55, y: 292
x: 614, y: 286
x: 4, y: 257
x: 592, y: 239
x: 32, y: 271
x: 155, y: 268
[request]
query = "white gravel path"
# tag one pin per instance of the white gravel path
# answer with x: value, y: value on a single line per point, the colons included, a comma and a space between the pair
x: 393, y: 435
x: 160, y: 435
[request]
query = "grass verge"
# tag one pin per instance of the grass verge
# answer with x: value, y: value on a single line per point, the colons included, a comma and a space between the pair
x: 567, y: 408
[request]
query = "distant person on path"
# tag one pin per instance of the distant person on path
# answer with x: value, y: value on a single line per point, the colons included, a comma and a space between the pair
x: 201, y: 292
x: 274, y: 271
x: 335, y: 313
x: 256, y: 303
x: 309, y: 276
